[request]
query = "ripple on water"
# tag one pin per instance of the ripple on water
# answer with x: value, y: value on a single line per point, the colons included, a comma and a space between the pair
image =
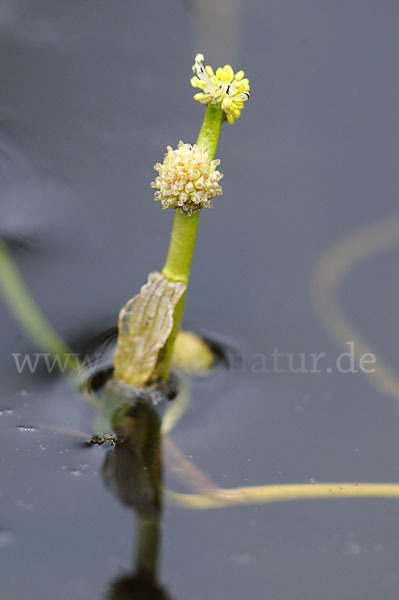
x: 98, y: 351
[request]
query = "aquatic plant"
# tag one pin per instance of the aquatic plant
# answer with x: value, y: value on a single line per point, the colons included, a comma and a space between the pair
x: 187, y: 182
x: 225, y: 94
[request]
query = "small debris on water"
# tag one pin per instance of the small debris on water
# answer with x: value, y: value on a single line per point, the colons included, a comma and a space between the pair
x: 27, y: 428
x: 75, y: 472
x: 352, y: 546
x: 6, y: 411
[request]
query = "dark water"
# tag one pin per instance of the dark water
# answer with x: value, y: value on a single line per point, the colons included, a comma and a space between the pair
x: 92, y: 92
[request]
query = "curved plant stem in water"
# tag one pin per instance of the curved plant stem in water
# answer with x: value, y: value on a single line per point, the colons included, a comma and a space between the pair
x: 327, y: 278
x: 184, y: 233
x: 224, y: 498
x: 206, y: 495
x: 29, y: 317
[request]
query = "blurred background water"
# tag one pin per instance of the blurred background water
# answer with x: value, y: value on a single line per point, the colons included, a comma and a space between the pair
x: 92, y: 92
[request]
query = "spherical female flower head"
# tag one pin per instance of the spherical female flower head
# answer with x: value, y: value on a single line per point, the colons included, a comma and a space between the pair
x: 187, y: 179
x: 224, y: 87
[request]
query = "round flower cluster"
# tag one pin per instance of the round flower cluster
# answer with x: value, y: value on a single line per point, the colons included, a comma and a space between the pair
x: 229, y: 89
x: 187, y: 180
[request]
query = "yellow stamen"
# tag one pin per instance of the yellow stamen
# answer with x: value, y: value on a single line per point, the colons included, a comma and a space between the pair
x: 223, y: 87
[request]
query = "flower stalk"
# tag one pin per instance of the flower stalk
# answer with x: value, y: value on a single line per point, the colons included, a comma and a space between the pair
x: 184, y: 234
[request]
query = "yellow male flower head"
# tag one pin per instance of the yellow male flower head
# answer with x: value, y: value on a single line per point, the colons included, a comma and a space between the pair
x: 230, y: 89
x: 187, y: 179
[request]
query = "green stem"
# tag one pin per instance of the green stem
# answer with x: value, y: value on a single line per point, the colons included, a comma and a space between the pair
x: 184, y: 233
x: 209, y: 134
x: 181, y: 247
x: 28, y: 315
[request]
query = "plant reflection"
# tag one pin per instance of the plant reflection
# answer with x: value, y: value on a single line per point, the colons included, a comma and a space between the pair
x: 132, y: 470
